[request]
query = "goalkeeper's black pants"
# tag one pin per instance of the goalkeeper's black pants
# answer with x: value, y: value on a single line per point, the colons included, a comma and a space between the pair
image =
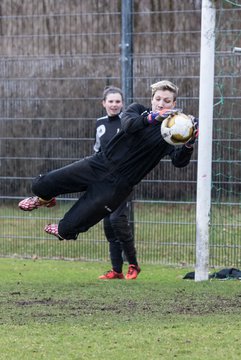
x: 103, y: 191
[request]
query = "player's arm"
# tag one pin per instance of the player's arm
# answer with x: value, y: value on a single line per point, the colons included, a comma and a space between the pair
x: 97, y: 144
x: 181, y: 156
x: 134, y: 118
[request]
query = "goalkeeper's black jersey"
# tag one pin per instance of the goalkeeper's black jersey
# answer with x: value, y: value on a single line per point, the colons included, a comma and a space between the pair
x: 135, y: 150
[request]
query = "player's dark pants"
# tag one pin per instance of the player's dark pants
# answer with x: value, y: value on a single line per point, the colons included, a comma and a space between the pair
x: 103, y: 191
x: 118, y: 233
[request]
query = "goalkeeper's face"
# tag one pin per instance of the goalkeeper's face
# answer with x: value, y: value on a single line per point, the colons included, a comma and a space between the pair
x: 163, y: 99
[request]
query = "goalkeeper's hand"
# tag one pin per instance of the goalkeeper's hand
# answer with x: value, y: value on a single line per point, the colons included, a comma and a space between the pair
x: 189, y: 144
x: 155, y: 117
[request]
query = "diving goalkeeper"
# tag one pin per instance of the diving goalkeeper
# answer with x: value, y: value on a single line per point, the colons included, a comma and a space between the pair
x: 105, y: 179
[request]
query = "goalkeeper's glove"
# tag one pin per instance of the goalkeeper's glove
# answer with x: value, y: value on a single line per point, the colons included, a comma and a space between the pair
x: 152, y: 117
x: 155, y: 117
x: 189, y: 144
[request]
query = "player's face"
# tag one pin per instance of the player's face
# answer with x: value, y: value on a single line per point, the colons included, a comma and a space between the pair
x: 113, y: 104
x: 163, y: 99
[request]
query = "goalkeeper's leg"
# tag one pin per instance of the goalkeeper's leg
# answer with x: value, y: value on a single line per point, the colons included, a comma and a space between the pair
x: 72, y: 178
x: 100, y: 199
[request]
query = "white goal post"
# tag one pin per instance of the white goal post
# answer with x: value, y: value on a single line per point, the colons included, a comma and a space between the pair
x: 206, y: 89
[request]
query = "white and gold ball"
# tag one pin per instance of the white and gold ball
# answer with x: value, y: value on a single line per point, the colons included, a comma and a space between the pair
x: 177, y: 129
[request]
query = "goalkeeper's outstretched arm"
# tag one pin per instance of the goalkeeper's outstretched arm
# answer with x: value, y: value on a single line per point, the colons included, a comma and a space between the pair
x: 181, y: 156
x: 134, y: 118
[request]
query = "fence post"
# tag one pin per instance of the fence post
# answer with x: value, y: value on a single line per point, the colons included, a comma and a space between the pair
x: 127, y: 70
x: 127, y: 50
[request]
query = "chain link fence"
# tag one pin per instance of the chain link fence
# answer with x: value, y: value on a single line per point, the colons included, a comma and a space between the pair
x: 55, y: 59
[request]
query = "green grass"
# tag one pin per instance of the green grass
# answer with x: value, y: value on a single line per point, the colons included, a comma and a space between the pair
x: 60, y: 310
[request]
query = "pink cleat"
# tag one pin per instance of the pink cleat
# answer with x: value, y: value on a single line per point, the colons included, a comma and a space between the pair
x: 52, y: 229
x: 35, y: 202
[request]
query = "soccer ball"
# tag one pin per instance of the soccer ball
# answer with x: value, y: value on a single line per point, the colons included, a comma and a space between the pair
x: 177, y: 129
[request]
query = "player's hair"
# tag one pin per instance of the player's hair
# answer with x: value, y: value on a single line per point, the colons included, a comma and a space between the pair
x: 111, y: 90
x: 164, y: 85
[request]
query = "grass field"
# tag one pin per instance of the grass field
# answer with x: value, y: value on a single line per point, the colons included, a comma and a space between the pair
x: 60, y: 310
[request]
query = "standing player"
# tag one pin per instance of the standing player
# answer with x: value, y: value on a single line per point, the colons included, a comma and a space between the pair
x: 116, y: 226
x: 107, y: 178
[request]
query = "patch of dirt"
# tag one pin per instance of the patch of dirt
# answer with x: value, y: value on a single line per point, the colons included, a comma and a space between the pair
x: 180, y: 304
x: 216, y: 305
